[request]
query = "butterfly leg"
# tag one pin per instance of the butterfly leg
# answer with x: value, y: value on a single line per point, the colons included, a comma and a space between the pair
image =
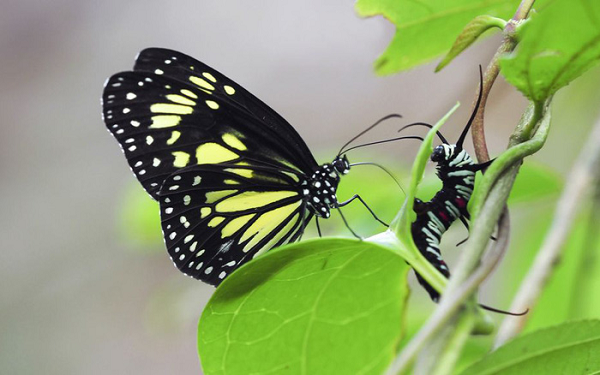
x: 346, y: 223
x: 303, y: 227
x: 318, y: 226
x: 356, y: 196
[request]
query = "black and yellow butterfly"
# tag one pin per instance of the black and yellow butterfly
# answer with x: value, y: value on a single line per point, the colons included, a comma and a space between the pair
x: 233, y: 178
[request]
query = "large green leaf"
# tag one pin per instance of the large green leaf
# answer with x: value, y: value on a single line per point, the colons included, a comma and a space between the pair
x: 426, y: 29
x: 570, y: 348
x: 317, y: 307
x: 556, y: 46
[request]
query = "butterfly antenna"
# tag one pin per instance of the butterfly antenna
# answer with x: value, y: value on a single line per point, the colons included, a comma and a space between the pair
x: 384, y: 141
x: 440, y: 136
x: 393, y: 115
x: 492, y: 309
x: 475, y: 110
x: 383, y: 169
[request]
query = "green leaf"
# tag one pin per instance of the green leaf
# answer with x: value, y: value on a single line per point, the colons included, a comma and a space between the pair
x: 570, y: 348
x: 556, y: 46
x: 426, y: 29
x: 317, y: 307
x: 469, y: 35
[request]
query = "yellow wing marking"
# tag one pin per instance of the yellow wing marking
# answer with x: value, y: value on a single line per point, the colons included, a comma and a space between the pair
x: 265, y: 224
x: 233, y: 141
x: 285, y: 162
x: 229, y: 90
x: 205, y: 211
x: 176, y: 109
x: 209, y: 76
x: 231, y: 182
x: 213, y: 196
x: 240, y: 171
x: 234, y: 225
x: 293, y: 176
x: 180, y: 99
x: 174, y: 137
x: 212, y: 104
x: 181, y: 159
x: 165, y: 121
x: 189, y: 93
x: 252, y: 199
x: 213, y: 153
x: 277, y: 237
x: 215, y: 221
x: 201, y: 83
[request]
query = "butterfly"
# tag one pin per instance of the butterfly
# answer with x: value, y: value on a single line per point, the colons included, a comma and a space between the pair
x: 233, y: 178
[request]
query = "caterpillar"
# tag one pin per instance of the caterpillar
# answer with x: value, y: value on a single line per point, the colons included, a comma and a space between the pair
x: 456, y: 169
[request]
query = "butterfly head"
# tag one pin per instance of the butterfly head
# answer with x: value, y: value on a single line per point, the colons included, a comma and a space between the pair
x: 341, y: 164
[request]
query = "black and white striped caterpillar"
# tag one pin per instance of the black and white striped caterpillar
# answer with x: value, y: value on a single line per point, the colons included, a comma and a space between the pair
x: 456, y: 169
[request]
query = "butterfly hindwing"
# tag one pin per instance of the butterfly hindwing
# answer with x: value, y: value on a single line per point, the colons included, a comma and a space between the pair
x: 217, y: 217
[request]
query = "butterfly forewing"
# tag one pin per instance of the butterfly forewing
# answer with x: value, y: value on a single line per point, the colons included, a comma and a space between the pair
x: 217, y: 217
x: 167, y: 116
x: 186, y: 69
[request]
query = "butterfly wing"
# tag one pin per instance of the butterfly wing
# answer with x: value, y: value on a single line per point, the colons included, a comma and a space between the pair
x: 173, y: 112
x: 216, y: 217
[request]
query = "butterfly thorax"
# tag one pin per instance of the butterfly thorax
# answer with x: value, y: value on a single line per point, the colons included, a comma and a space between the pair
x: 320, y: 188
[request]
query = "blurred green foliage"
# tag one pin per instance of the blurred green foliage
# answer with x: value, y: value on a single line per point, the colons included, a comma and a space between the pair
x: 138, y: 221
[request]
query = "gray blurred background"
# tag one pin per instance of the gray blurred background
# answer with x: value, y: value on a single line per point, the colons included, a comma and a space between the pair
x: 76, y: 295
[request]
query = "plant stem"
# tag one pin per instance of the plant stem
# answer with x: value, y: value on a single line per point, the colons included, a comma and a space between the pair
x: 449, y: 306
x: 491, y: 73
x: 456, y: 339
x: 585, y: 173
